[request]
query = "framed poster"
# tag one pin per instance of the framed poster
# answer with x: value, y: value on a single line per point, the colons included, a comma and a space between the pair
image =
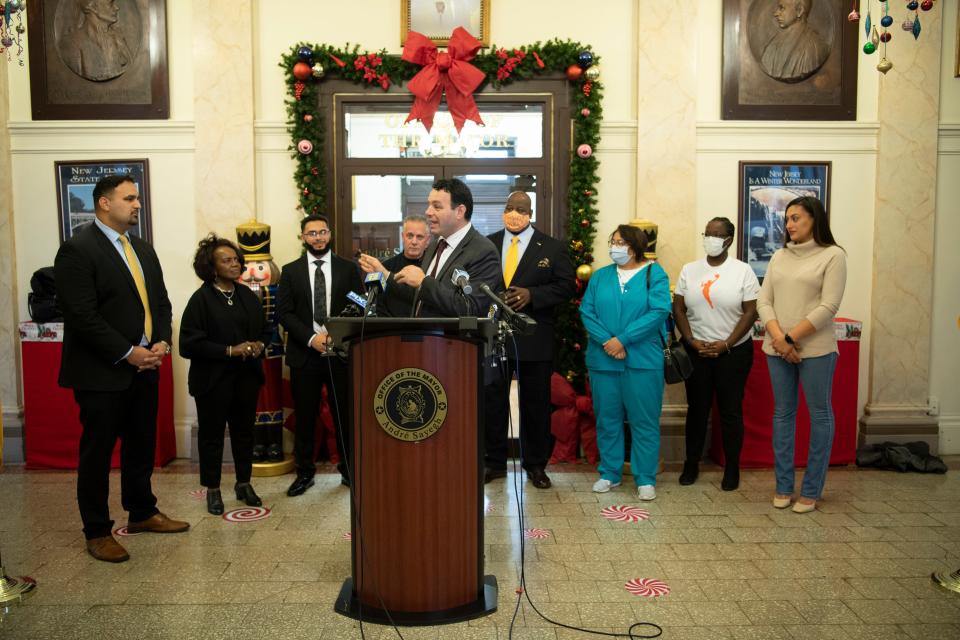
x: 792, y: 60
x: 437, y: 19
x: 75, y: 182
x: 98, y: 59
x: 765, y: 190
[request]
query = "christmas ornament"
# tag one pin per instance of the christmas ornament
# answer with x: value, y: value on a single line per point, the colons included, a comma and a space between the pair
x: 585, y: 59
x: 884, y: 65
x: 305, y: 147
x: 540, y: 64
x: 317, y: 70
x: 912, y: 6
x: 886, y: 21
x: 574, y: 72
x: 588, y: 193
x: 315, y: 171
x: 907, y: 25
x: 916, y: 27
x: 298, y: 88
x: 305, y: 53
x: 306, y: 192
x: 585, y: 112
x: 874, y: 37
x: 885, y: 36
x: 584, y: 150
x: 926, y: 5
x: 577, y: 245
x: 570, y: 375
x: 854, y: 15
x: 576, y: 346
x: 301, y: 71
x: 587, y: 87
x: 593, y: 73
x: 867, y: 23
x: 584, y: 272
x: 584, y: 223
x: 448, y: 72
x: 308, y: 117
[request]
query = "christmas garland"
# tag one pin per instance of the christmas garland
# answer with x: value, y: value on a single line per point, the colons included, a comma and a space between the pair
x: 307, y: 65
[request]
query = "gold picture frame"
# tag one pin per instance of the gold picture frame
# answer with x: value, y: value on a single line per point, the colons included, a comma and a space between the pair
x: 437, y: 19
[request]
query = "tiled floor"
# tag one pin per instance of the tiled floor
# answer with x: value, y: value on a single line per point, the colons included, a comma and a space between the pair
x: 736, y: 568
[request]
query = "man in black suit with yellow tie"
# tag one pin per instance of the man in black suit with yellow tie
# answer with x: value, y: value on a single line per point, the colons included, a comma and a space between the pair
x: 116, y: 331
x: 313, y: 288
x: 539, y: 276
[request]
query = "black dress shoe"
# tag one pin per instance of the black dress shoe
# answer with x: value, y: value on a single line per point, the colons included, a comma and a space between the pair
x: 690, y: 472
x: 539, y: 479
x: 345, y: 480
x: 731, y: 478
x: 274, y: 453
x: 489, y: 475
x: 247, y: 495
x: 299, y: 486
x: 259, y: 453
x: 214, y: 502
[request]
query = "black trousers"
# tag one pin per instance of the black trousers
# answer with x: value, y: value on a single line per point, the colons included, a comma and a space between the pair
x: 725, y: 378
x: 306, y: 384
x: 232, y: 403
x: 536, y: 441
x: 131, y: 416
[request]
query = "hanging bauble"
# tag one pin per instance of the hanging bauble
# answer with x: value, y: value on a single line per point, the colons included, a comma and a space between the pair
x: 584, y: 150
x: 884, y: 65
x: 580, y: 211
x: 584, y: 223
x: 577, y: 245
x: 584, y: 272
x: 317, y: 70
x: 886, y: 21
x: 912, y: 6
x: 585, y: 59
x: 306, y: 192
x: 593, y: 73
x: 585, y: 112
x: 907, y: 25
x: 853, y: 16
x: 301, y: 71
x: 588, y: 193
x: 576, y: 346
x: 570, y: 375
x: 315, y: 171
x: 305, y: 146
x: 885, y: 36
x: 308, y: 117
x: 305, y: 53
x: 869, y: 47
x: 574, y: 72
x: 926, y: 5
x: 916, y: 27
x: 867, y: 24
x: 875, y: 37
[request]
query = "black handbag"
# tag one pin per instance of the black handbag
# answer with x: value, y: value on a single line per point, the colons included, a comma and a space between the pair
x: 677, y: 365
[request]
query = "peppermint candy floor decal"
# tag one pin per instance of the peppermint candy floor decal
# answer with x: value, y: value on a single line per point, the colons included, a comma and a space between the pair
x: 536, y: 534
x: 124, y: 532
x: 647, y: 587
x: 198, y: 494
x: 247, y: 514
x: 625, y: 513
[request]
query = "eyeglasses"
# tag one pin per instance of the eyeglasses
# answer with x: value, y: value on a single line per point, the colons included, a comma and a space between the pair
x: 617, y: 243
x: 323, y: 233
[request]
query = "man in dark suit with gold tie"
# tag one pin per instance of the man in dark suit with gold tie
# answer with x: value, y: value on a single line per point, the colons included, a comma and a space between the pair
x: 539, y: 276
x: 313, y: 288
x: 117, y: 328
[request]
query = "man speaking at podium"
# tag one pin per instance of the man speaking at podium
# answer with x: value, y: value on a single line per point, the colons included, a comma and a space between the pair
x: 458, y: 248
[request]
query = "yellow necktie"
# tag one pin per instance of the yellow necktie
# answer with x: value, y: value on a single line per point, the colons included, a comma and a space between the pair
x: 510, y: 264
x: 141, y: 286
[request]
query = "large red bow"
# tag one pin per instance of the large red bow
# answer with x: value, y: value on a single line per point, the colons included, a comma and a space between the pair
x: 444, y: 71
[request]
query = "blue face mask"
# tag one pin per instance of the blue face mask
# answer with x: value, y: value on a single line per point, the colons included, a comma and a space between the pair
x: 619, y: 255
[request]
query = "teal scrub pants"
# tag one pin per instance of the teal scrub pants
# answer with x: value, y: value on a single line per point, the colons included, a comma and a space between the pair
x: 637, y: 395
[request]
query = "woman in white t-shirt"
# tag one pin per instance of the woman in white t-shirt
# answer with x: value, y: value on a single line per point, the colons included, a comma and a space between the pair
x: 715, y: 306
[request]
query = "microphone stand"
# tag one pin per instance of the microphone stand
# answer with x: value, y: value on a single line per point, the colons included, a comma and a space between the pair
x: 13, y: 590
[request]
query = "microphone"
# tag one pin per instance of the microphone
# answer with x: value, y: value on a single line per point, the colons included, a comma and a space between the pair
x: 461, y: 279
x: 519, y: 322
x: 355, y: 307
x: 374, y: 283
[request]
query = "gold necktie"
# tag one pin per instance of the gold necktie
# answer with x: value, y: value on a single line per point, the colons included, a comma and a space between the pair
x: 510, y: 264
x: 141, y: 286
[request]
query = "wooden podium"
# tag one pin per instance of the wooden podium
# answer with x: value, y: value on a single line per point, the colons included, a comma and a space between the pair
x: 417, y: 494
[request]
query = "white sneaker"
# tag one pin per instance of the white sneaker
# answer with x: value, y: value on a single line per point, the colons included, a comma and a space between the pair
x: 602, y: 485
x: 646, y: 492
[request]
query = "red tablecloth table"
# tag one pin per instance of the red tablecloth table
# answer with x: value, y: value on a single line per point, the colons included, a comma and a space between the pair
x: 51, y: 418
x: 758, y: 406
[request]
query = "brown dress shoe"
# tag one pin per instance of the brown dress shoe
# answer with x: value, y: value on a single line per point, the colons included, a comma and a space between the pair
x: 158, y: 523
x: 539, y: 478
x: 107, y: 549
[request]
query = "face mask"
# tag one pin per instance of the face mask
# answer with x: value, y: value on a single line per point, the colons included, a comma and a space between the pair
x: 515, y: 222
x: 713, y: 246
x: 619, y: 255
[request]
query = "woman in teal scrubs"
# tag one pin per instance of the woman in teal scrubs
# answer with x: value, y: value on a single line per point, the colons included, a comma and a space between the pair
x: 624, y: 311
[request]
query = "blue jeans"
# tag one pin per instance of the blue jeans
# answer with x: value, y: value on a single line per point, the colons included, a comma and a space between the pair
x: 816, y: 376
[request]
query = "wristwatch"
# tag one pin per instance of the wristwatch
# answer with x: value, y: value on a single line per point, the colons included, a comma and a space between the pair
x: 789, y: 340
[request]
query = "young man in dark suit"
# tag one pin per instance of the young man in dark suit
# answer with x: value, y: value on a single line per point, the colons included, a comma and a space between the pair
x: 116, y: 332
x: 457, y: 245
x: 313, y: 288
x: 539, y: 275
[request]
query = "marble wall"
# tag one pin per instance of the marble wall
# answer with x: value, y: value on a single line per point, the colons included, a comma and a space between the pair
x: 9, y: 344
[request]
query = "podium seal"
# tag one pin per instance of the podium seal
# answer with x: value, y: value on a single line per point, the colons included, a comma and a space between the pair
x: 410, y: 404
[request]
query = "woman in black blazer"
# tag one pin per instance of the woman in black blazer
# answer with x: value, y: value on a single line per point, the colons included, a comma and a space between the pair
x: 222, y: 333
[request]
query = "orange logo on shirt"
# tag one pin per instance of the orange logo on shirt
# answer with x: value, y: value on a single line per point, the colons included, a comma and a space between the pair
x: 706, y: 288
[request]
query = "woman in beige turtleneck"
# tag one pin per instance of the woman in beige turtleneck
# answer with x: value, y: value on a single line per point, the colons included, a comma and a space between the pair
x: 800, y: 295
